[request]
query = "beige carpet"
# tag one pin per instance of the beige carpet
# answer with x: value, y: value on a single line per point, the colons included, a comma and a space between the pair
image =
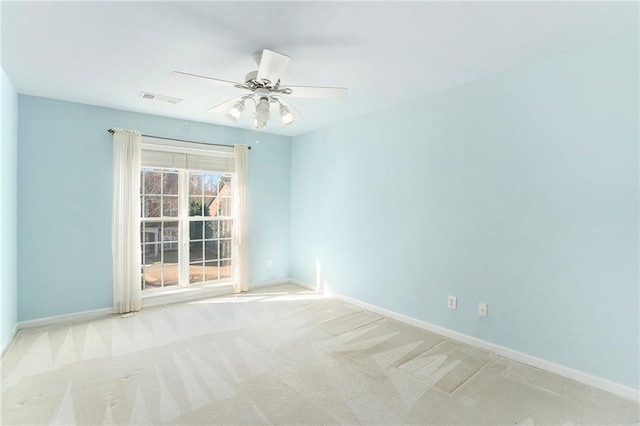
x: 278, y: 355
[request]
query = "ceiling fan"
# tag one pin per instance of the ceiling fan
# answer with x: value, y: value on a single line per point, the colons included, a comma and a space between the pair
x: 266, y: 90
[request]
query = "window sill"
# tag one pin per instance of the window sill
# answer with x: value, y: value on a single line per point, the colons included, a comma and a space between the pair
x: 182, y: 294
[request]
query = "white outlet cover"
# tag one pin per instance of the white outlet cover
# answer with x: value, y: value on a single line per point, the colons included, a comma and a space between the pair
x: 482, y: 309
x: 452, y: 302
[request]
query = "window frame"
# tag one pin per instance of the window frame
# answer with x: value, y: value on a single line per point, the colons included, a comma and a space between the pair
x: 183, y: 218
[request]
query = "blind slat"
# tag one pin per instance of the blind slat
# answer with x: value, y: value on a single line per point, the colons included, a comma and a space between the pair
x: 163, y: 159
x: 201, y: 162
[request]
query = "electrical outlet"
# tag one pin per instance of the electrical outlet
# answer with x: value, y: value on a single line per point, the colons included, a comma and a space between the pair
x: 453, y: 302
x: 269, y: 263
x: 482, y: 309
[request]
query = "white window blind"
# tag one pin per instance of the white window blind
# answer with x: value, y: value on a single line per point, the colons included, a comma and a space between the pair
x: 185, y: 155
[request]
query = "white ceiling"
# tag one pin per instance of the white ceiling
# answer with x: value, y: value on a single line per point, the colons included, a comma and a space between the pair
x: 106, y: 53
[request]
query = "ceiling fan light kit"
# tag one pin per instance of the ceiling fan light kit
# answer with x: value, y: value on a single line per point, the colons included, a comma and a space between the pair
x: 264, y: 83
x: 262, y: 114
x: 235, y: 112
x: 286, y: 116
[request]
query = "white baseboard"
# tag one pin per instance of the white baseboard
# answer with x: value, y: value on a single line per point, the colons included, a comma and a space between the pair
x: 148, y: 300
x: 13, y: 335
x: 269, y: 283
x: 571, y: 373
x: 74, y: 317
x: 302, y: 284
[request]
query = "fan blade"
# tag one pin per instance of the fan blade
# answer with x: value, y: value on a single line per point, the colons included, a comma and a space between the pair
x: 224, y: 107
x: 316, y: 92
x: 272, y: 64
x: 215, y: 80
x: 297, y: 114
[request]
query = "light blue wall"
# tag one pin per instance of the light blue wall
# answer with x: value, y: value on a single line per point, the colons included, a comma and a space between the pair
x: 8, y: 209
x: 519, y: 190
x: 64, y: 200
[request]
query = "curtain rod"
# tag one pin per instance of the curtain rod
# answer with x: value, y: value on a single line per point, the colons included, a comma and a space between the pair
x: 181, y: 140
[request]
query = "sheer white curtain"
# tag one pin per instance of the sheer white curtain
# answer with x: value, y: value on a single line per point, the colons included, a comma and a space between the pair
x: 240, y: 253
x: 125, y: 226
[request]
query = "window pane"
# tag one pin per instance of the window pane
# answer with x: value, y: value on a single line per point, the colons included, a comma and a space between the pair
x: 152, y: 254
x: 225, y: 227
x: 225, y: 269
x: 170, y: 231
x: 224, y: 187
x: 153, y: 276
x: 195, y: 206
x: 195, y: 183
x: 195, y: 273
x: 210, y: 271
x: 170, y: 254
x: 210, y: 229
x: 170, y: 206
x: 170, y: 183
x: 210, y: 183
x: 151, y: 232
x: 214, y: 225
x: 151, y: 206
x: 224, y: 206
x: 195, y: 251
x: 225, y: 249
x: 210, y: 207
x: 170, y: 275
x: 195, y: 230
x: 211, y: 250
x: 152, y: 181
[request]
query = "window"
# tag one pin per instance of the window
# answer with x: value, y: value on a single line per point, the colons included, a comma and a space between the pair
x: 159, y: 227
x: 210, y: 227
x: 187, y: 219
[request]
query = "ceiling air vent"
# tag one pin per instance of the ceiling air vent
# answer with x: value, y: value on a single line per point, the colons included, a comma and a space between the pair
x: 160, y: 98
